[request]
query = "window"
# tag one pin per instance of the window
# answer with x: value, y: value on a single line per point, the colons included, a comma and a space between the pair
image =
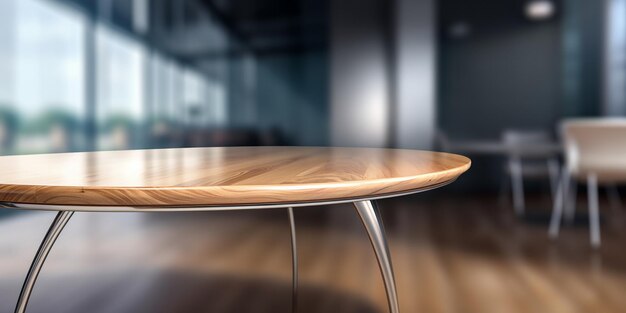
x: 43, y: 93
x: 194, y: 99
x: 142, y: 97
x: 120, y: 90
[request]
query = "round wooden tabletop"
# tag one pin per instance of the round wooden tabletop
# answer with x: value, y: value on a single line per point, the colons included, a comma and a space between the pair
x: 221, y: 176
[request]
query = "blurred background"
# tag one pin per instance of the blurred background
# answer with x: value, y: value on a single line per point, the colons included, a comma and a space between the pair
x: 515, y: 85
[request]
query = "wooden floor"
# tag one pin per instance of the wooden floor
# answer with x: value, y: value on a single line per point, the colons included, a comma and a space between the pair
x: 451, y: 254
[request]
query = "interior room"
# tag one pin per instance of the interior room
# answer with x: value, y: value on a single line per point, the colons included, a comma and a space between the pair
x: 533, y: 92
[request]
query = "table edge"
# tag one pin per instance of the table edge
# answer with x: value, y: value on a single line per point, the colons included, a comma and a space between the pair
x: 206, y: 208
x: 221, y: 195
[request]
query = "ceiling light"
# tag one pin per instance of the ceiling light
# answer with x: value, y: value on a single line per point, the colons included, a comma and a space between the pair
x: 539, y: 9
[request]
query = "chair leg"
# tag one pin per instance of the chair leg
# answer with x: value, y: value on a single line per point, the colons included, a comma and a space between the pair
x: 570, y: 204
x: 503, y: 193
x: 553, y: 172
x: 594, y: 215
x: 517, y: 184
x: 557, y: 210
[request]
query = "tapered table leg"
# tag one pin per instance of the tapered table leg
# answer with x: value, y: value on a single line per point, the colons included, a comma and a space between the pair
x: 294, y: 261
x: 48, y: 241
x: 373, y: 224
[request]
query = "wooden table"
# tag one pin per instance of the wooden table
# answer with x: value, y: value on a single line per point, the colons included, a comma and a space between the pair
x: 210, y: 179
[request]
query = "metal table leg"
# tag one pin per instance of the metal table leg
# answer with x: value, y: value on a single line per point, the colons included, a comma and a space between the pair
x: 373, y: 224
x: 48, y: 241
x: 294, y: 261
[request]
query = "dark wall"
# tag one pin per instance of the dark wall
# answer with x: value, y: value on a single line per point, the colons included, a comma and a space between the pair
x: 497, y: 71
x: 504, y: 72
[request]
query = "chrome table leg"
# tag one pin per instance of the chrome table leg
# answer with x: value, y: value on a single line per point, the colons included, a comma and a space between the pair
x: 294, y: 261
x: 373, y: 224
x: 53, y: 233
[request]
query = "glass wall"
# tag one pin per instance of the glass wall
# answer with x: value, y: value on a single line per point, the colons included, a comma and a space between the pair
x: 615, y: 58
x: 139, y: 97
x: 115, y: 74
x: 120, y: 89
x: 43, y: 87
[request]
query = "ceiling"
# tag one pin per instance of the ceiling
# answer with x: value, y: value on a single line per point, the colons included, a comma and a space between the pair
x: 201, y: 29
x: 486, y: 16
x: 267, y: 26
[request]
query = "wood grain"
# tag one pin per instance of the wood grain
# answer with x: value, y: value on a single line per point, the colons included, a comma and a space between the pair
x: 221, y: 176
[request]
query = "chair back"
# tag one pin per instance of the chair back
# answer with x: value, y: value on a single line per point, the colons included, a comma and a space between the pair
x: 594, y: 145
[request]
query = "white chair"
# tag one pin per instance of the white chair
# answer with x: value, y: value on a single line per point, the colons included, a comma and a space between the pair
x: 525, y: 158
x: 595, y: 153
